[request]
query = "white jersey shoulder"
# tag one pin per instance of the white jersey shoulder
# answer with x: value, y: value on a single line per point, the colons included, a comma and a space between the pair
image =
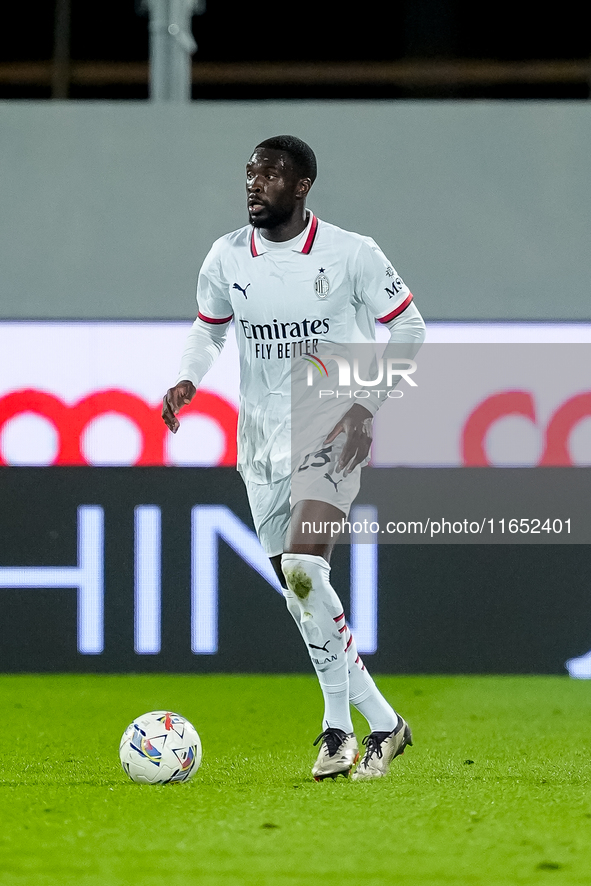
x: 235, y: 240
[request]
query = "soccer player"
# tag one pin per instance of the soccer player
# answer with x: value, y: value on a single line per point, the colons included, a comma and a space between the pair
x: 292, y: 282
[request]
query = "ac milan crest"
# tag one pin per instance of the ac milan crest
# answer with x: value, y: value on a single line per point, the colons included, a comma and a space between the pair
x: 321, y: 284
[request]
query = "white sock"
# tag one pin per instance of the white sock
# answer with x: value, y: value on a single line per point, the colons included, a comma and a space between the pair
x: 363, y: 692
x: 316, y: 609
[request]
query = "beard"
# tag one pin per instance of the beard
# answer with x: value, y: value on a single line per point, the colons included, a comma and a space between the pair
x: 271, y: 217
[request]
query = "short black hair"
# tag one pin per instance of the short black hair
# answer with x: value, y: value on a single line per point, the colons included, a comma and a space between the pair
x: 301, y: 155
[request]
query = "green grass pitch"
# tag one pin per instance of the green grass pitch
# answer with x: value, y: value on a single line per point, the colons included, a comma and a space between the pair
x: 496, y: 790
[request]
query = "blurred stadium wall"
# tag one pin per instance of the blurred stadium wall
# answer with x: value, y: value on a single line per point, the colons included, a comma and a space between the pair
x: 109, y: 209
x: 107, y: 212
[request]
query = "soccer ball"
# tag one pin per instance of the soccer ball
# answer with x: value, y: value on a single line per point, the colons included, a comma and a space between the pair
x: 160, y: 747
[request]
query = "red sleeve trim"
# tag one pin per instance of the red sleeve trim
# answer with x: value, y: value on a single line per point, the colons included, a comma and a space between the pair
x: 398, y: 310
x: 311, y: 236
x: 214, y: 320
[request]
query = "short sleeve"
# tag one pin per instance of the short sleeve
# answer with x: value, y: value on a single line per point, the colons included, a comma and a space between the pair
x: 213, y: 303
x: 377, y: 283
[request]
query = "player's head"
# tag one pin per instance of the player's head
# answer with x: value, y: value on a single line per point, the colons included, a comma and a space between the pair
x: 299, y: 155
x: 279, y: 176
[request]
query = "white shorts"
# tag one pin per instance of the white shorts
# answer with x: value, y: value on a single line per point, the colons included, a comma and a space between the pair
x: 314, y: 479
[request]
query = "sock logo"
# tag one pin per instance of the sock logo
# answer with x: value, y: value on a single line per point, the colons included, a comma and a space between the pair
x: 329, y: 660
x: 323, y: 648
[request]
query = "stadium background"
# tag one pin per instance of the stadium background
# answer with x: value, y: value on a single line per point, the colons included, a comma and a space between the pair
x: 108, y: 209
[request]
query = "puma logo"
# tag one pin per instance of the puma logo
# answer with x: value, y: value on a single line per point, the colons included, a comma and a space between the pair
x: 335, y: 484
x: 243, y: 291
x: 323, y: 648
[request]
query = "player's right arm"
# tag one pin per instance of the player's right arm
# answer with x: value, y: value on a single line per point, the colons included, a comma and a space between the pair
x: 205, y: 340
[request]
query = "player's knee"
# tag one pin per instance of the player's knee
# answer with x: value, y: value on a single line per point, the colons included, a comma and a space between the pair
x: 297, y: 574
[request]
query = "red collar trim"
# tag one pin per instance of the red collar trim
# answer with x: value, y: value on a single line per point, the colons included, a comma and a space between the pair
x: 307, y: 245
x: 253, y: 247
x: 311, y: 236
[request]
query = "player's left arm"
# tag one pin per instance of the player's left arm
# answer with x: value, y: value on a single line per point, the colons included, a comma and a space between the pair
x: 390, y: 300
x: 382, y: 289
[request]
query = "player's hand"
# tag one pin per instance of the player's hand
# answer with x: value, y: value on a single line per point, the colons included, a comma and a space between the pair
x: 174, y: 399
x: 357, y: 425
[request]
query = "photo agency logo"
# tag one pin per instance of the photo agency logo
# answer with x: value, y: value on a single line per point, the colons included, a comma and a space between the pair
x: 361, y: 377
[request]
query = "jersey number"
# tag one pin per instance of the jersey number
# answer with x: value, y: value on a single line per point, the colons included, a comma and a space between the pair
x: 322, y: 454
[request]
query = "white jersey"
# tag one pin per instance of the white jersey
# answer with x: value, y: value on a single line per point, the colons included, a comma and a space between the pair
x: 287, y: 299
